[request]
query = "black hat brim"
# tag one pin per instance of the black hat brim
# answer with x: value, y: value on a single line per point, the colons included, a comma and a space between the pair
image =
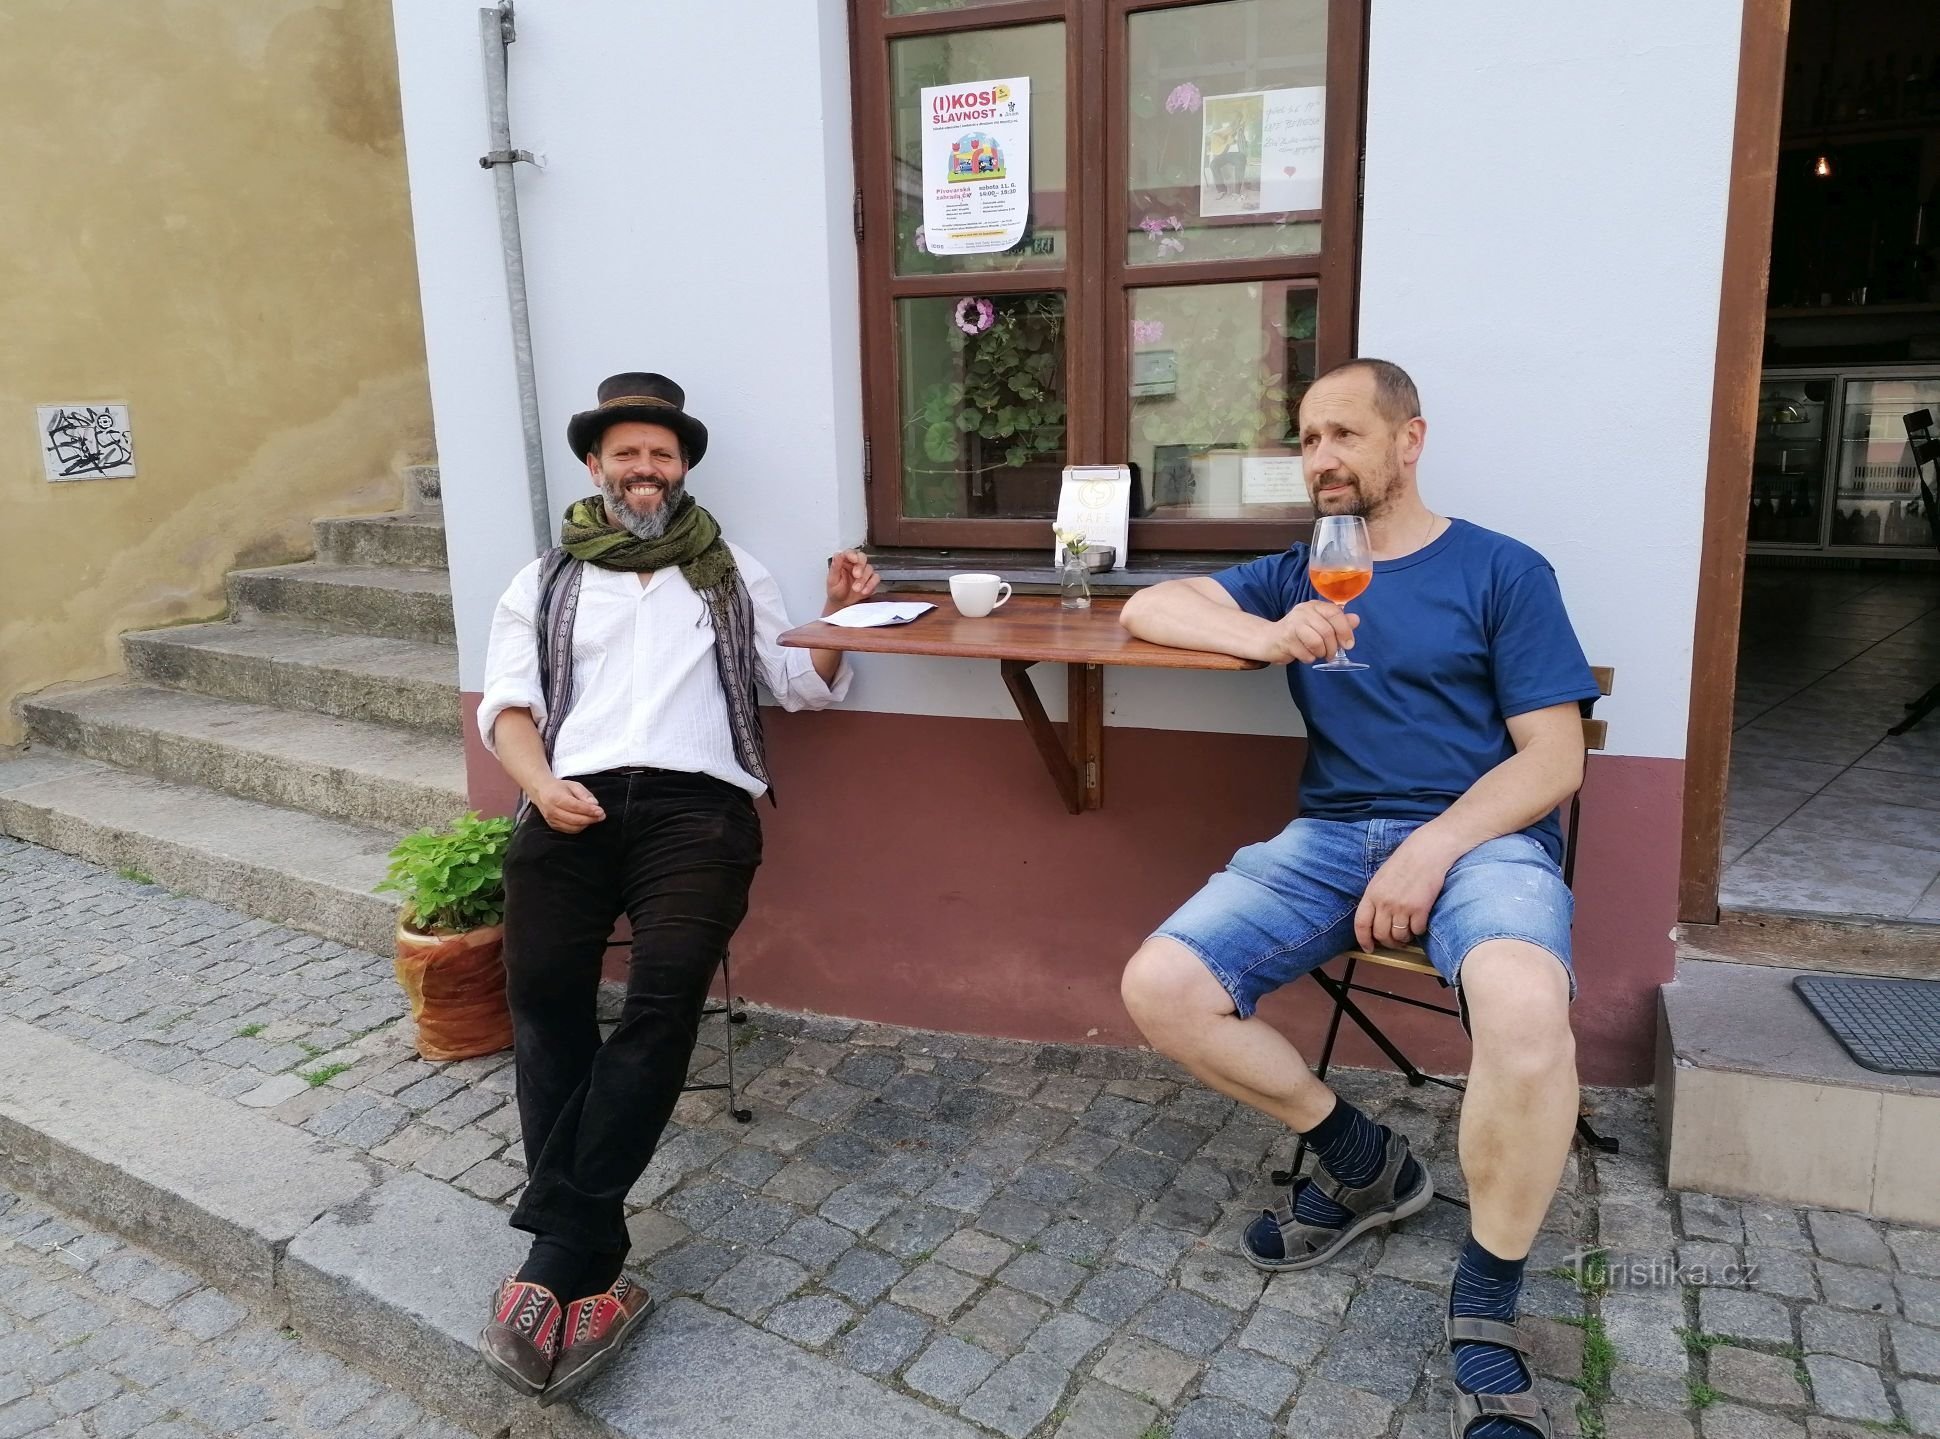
x: 583, y: 431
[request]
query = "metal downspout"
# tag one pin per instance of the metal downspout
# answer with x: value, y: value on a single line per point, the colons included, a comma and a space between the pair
x: 496, y: 31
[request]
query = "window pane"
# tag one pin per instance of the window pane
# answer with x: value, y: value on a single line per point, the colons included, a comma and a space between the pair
x: 982, y: 405
x: 1788, y: 461
x: 1217, y: 372
x: 1876, y: 499
x: 1227, y: 104
x: 1033, y: 50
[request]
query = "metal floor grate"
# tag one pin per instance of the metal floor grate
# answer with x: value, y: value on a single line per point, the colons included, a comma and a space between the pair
x: 1889, y: 1025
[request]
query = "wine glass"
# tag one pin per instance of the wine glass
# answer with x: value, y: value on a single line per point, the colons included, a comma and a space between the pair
x: 1340, y: 564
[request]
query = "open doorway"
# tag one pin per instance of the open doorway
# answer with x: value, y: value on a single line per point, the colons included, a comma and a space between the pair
x: 1827, y: 814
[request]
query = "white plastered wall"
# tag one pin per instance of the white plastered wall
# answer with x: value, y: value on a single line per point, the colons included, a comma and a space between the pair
x: 1545, y: 199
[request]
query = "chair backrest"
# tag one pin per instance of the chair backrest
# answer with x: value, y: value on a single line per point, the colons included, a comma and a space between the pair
x: 1596, y: 734
x: 1926, y: 450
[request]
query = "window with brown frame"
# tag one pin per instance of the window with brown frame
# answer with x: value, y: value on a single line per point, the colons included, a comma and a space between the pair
x: 1182, y: 276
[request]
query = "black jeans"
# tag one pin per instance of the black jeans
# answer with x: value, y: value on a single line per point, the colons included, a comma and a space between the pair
x: 677, y: 853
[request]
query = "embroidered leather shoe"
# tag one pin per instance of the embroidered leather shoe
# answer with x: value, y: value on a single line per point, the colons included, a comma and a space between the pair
x: 522, y: 1341
x: 595, y: 1329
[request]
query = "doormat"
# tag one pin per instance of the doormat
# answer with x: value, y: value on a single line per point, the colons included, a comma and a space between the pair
x: 1889, y: 1025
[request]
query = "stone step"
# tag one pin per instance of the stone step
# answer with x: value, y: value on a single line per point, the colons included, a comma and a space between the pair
x: 401, y: 603
x: 414, y: 540
x: 361, y: 677
x: 392, y: 1271
x: 297, y: 869
x: 1756, y: 1098
x: 380, y: 775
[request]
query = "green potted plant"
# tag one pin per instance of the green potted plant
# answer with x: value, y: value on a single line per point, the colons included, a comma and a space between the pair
x: 449, y: 935
x: 1002, y: 410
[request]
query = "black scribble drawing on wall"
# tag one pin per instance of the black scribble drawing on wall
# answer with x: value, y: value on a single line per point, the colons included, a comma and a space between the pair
x: 88, y: 441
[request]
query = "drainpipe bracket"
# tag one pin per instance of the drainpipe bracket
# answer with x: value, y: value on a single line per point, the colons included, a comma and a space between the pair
x: 505, y: 157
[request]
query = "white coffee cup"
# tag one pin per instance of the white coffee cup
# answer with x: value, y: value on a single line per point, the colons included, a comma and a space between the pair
x: 977, y: 595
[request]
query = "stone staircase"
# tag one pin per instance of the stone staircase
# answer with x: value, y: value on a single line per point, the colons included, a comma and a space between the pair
x: 271, y: 760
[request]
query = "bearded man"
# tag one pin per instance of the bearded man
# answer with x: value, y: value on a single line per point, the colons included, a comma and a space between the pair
x: 1428, y: 807
x: 620, y: 695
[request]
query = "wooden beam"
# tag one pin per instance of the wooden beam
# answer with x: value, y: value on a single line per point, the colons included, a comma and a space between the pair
x: 1044, y: 735
x: 1727, y: 486
x: 1085, y: 730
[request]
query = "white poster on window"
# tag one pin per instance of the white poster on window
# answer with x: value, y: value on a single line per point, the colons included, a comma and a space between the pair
x: 1260, y: 151
x: 976, y: 165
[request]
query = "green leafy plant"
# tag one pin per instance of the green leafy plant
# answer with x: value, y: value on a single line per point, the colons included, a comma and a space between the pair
x: 452, y: 879
x: 1006, y: 407
x: 1698, y: 1342
x: 1599, y: 1358
x: 1591, y: 1274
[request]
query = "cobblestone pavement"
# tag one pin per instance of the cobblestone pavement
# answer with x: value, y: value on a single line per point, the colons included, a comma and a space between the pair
x: 100, y: 1339
x: 1035, y: 1237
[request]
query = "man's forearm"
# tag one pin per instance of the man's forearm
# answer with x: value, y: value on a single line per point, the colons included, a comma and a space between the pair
x: 1176, y: 614
x: 521, y: 752
x: 1508, y: 799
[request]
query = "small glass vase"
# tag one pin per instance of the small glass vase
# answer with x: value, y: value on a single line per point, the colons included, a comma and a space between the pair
x: 1074, y: 583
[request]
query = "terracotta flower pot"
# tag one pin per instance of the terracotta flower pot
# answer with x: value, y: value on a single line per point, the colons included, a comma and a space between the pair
x: 456, y: 985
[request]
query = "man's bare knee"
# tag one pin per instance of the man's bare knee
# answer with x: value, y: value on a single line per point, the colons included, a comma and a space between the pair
x: 1167, y: 989
x: 1518, y: 1006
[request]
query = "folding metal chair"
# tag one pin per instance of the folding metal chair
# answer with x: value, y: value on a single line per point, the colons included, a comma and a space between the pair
x: 1412, y: 959
x: 1926, y: 450
x: 735, y: 1015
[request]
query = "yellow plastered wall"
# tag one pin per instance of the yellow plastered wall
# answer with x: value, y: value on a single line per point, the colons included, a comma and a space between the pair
x: 205, y: 217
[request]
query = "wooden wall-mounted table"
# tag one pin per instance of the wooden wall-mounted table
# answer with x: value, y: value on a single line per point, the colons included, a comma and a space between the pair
x: 1029, y: 630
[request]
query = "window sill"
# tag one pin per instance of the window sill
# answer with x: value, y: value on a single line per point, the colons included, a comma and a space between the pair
x: 1030, y: 571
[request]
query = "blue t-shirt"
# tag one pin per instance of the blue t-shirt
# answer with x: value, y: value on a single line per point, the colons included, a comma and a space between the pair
x: 1458, y: 637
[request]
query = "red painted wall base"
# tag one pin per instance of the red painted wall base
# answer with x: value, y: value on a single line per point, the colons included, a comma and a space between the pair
x: 921, y: 871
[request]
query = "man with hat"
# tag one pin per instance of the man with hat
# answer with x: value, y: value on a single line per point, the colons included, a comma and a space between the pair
x: 620, y: 695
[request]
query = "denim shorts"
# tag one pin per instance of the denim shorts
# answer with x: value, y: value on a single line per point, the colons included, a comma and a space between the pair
x: 1285, y: 906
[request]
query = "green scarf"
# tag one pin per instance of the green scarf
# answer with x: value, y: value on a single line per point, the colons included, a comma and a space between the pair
x: 692, y: 541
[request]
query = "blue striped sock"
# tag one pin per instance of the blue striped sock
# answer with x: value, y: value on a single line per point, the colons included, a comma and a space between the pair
x: 1349, y: 1146
x: 1486, y: 1287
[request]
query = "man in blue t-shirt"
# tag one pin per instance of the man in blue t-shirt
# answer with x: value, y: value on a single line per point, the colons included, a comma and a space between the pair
x: 1428, y: 808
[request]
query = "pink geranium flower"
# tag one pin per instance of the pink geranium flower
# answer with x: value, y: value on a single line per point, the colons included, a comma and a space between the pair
x: 974, y: 315
x: 1148, y: 332
x: 1183, y: 98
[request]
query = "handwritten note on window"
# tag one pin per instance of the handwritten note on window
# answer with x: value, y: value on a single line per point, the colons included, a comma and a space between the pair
x: 1291, y: 148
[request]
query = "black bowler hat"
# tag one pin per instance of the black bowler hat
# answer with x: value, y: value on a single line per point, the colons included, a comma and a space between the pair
x: 651, y: 399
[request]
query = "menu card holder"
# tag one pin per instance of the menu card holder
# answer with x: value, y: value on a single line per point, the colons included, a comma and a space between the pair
x: 1096, y: 502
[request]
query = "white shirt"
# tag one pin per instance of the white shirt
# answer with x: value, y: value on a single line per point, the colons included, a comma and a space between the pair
x: 646, y: 689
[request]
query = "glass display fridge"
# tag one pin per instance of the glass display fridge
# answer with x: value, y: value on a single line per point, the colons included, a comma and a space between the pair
x: 1832, y: 469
